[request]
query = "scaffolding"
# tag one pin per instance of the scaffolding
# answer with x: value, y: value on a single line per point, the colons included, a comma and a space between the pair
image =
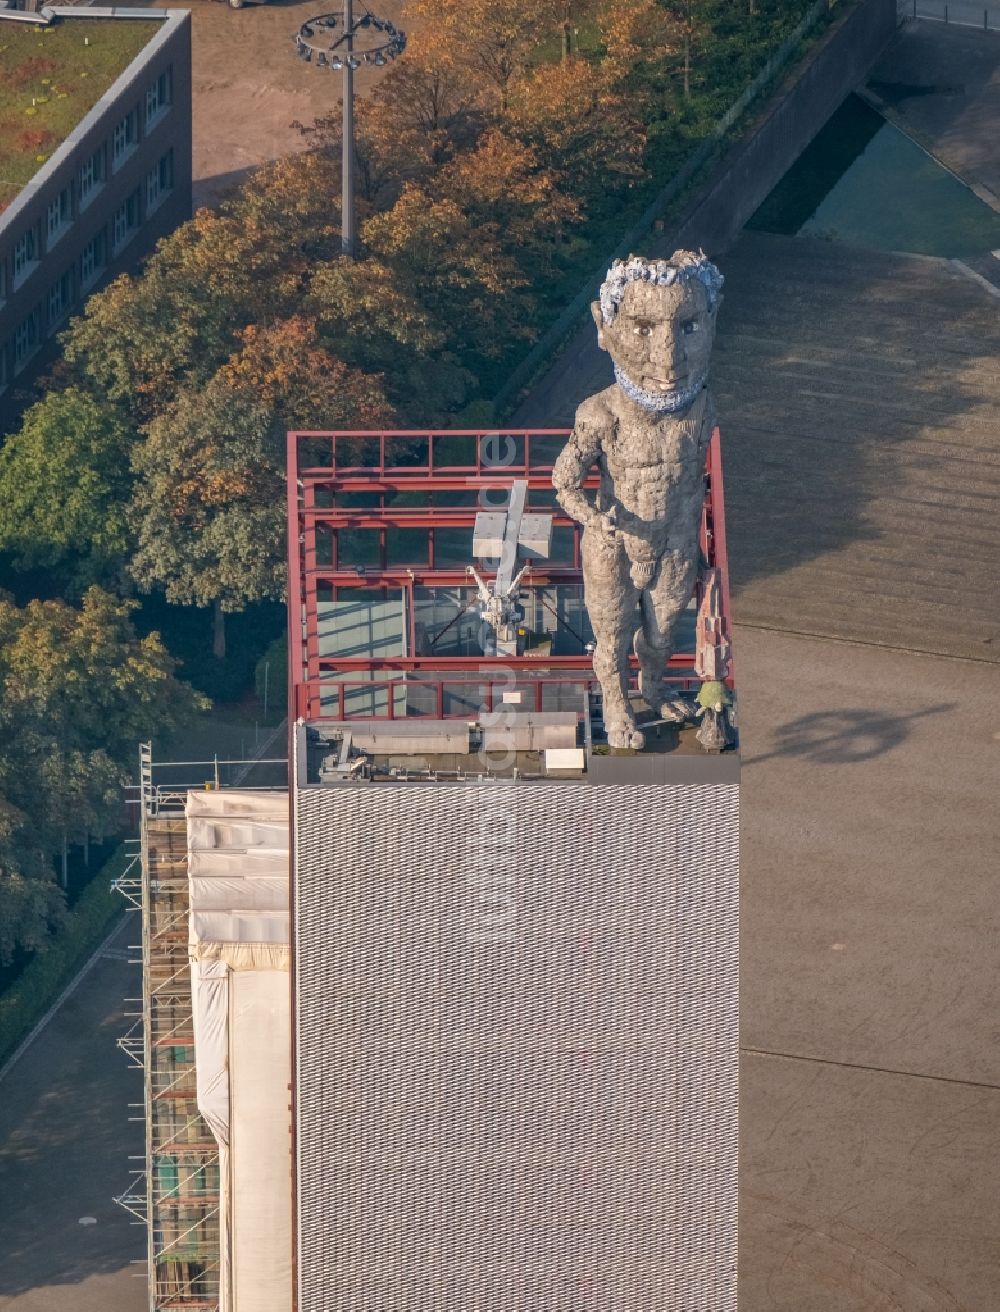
x: 175, y: 1192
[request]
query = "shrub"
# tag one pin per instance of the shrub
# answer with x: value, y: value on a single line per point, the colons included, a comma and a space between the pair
x: 52, y: 967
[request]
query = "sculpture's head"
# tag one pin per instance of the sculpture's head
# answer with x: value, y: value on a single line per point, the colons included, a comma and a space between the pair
x: 656, y: 318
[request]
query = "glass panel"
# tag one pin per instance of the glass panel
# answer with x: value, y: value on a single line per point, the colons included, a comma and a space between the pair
x: 453, y: 548
x: 357, y: 546
x: 501, y: 450
x: 417, y: 497
x: 361, y: 626
x: 315, y: 452
x: 544, y: 448
x: 559, y: 611
x: 453, y: 449
x: 464, y: 700
x: 421, y: 699
x: 561, y: 552
x: 324, y: 545
x: 406, y: 452
x: 368, y: 698
x: 445, y: 623
x: 356, y: 452
x: 350, y: 500
x: 407, y: 546
x: 563, y: 696
x: 444, y: 498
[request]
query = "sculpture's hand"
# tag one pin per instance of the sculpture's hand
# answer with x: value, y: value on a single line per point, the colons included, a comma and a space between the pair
x: 606, y: 523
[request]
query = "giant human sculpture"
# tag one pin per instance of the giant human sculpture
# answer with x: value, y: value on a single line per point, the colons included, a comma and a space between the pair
x: 648, y: 433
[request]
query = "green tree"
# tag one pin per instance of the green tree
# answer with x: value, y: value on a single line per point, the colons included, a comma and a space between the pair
x: 144, y: 338
x: 64, y: 482
x: 580, y: 128
x: 458, y: 272
x: 78, y: 690
x: 209, y: 504
x: 368, y: 316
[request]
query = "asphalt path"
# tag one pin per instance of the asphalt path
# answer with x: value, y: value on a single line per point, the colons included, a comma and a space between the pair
x: 65, y: 1140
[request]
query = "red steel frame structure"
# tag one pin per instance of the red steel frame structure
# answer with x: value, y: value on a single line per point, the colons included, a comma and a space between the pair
x: 327, y: 486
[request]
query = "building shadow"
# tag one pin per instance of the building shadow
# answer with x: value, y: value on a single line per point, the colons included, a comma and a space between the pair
x: 843, y: 737
x: 209, y: 192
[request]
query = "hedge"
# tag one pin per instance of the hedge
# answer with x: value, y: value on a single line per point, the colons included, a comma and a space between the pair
x: 51, y: 968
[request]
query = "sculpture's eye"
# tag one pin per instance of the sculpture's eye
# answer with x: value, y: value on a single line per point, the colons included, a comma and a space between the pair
x: 643, y: 330
x: 691, y: 326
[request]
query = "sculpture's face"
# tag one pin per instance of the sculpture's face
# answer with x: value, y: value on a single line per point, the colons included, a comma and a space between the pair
x: 661, y: 337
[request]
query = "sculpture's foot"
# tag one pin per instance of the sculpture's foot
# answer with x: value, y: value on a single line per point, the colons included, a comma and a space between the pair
x: 713, y: 733
x: 627, y: 736
x: 679, y: 710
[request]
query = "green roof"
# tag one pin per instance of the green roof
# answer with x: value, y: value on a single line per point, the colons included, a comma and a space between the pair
x: 50, y: 76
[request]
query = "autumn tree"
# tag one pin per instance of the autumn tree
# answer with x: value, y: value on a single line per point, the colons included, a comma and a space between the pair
x: 143, y: 338
x: 641, y: 38
x: 459, y: 272
x: 209, y: 505
x: 579, y: 127
x: 78, y: 690
x: 503, y: 188
x: 436, y: 99
x: 366, y: 313
x: 492, y: 41
x: 416, y: 118
x: 64, y: 482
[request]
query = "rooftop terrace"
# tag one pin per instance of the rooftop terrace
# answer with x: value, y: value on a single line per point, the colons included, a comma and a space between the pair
x: 51, y: 75
x: 438, y: 608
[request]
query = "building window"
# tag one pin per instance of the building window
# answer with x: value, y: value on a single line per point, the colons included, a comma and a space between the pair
x: 25, y: 255
x: 91, y: 177
x: 125, y: 223
x: 94, y: 260
x: 59, y: 217
x: 159, y: 97
x: 25, y: 341
x: 124, y: 138
x: 3, y: 369
x: 60, y: 300
x: 159, y: 181
x: 3, y: 281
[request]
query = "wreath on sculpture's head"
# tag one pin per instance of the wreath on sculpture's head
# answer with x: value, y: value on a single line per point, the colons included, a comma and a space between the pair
x: 684, y: 266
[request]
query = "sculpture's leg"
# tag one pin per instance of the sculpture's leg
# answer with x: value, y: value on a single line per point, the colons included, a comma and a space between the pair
x: 661, y: 606
x: 611, y: 598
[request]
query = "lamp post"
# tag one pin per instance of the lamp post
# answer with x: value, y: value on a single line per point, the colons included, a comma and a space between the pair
x: 347, y: 158
x: 384, y: 43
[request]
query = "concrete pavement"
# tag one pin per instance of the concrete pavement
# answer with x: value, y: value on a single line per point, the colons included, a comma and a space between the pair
x: 871, y: 1076
x: 65, y: 1138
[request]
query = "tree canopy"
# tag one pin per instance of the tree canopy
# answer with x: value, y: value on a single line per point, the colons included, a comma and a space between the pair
x: 64, y: 486
x: 78, y: 690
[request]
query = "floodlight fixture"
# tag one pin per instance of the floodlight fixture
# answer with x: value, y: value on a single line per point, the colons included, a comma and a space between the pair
x: 343, y: 55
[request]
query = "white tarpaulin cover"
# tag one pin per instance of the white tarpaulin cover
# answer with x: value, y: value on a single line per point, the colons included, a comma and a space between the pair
x: 238, y: 940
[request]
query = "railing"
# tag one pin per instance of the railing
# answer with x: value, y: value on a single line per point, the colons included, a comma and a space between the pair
x: 961, y: 13
x: 456, y: 698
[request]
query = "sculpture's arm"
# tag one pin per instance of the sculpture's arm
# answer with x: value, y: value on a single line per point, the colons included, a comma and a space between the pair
x: 574, y: 462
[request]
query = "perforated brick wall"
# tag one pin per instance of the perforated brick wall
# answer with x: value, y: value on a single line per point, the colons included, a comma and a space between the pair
x: 517, y: 1030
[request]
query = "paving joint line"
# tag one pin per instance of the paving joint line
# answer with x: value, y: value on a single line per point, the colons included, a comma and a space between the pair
x: 858, y: 642
x: 876, y: 1070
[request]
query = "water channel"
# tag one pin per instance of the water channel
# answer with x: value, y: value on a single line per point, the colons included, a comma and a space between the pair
x: 864, y: 182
